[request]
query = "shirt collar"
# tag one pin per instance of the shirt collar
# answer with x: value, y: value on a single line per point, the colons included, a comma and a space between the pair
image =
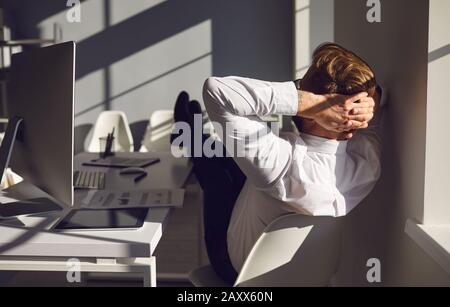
x: 322, y: 145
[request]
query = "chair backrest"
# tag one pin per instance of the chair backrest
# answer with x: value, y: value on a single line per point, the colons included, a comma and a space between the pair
x: 157, y: 136
x: 105, y: 123
x: 294, y: 251
x: 81, y: 133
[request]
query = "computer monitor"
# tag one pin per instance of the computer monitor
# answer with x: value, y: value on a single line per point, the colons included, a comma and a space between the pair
x: 41, y: 104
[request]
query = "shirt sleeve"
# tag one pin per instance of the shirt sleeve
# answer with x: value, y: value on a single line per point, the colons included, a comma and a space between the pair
x: 235, y: 106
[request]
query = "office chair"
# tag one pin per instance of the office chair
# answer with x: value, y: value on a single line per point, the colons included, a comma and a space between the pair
x: 9, y: 178
x: 81, y: 133
x: 159, y: 129
x: 158, y: 136
x: 105, y: 123
x: 295, y: 250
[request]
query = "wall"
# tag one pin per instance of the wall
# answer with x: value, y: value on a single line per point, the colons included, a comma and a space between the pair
x: 314, y: 25
x: 141, y: 54
x: 138, y: 55
x: 397, y: 48
x: 437, y: 209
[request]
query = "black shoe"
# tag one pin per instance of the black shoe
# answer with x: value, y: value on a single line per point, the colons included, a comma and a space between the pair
x: 181, y: 112
x: 194, y: 108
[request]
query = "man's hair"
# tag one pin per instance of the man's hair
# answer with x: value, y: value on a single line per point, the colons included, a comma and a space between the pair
x: 336, y: 70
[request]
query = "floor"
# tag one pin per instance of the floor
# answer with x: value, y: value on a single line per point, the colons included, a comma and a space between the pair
x: 182, y: 247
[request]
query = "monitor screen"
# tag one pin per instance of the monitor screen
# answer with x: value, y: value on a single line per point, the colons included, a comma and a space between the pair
x: 41, y: 92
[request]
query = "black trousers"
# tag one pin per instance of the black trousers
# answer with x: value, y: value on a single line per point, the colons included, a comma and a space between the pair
x: 221, y: 181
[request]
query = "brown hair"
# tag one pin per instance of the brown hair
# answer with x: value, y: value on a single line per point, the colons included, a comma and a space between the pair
x: 336, y: 70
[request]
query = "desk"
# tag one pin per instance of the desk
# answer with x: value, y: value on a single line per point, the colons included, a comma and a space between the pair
x: 30, y: 246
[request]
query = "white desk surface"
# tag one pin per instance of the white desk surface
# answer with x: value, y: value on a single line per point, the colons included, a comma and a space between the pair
x: 30, y: 237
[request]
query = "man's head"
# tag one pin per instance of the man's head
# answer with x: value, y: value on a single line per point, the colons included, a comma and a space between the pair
x: 336, y: 70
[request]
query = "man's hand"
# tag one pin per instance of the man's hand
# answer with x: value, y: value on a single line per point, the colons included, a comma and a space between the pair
x: 337, y: 113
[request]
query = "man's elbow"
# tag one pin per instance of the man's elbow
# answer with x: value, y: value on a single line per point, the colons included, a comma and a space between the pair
x: 211, y: 89
x: 212, y: 95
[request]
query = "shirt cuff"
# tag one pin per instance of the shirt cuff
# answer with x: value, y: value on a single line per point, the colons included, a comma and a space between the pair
x: 286, y: 98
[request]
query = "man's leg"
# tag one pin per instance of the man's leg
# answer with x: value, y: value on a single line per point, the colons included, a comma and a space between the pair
x: 221, y: 181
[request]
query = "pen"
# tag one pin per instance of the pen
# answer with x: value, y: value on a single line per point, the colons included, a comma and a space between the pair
x: 140, y: 177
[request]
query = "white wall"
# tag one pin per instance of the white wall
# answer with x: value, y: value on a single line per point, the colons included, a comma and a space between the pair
x: 314, y: 25
x: 138, y: 55
x: 437, y: 180
x: 397, y: 48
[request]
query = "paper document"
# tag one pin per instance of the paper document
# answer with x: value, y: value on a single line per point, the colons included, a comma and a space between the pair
x: 134, y: 199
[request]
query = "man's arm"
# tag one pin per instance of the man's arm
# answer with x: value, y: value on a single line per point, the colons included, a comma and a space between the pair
x: 236, y: 102
x: 335, y: 112
x: 234, y: 105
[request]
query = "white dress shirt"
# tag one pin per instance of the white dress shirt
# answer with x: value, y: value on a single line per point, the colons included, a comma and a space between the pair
x: 288, y: 173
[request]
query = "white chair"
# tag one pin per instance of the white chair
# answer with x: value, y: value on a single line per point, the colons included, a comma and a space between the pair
x: 81, y: 133
x: 105, y: 123
x: 9, y: 177
x: 157, y: 136
x: 294, y: 251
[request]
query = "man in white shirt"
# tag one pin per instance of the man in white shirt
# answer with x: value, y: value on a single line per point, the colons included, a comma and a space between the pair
x: 318, y: 172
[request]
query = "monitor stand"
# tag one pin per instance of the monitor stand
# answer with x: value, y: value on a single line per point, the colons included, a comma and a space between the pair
x: 22, y: 204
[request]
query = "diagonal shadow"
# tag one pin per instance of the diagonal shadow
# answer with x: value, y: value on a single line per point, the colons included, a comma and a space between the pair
x: 241, y: 31
x: 148, y: 27
x: 41, y: 228
x: 33, y: 12
x: 38, y: 10
x: 138, y: 86
x: 438, y: 53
